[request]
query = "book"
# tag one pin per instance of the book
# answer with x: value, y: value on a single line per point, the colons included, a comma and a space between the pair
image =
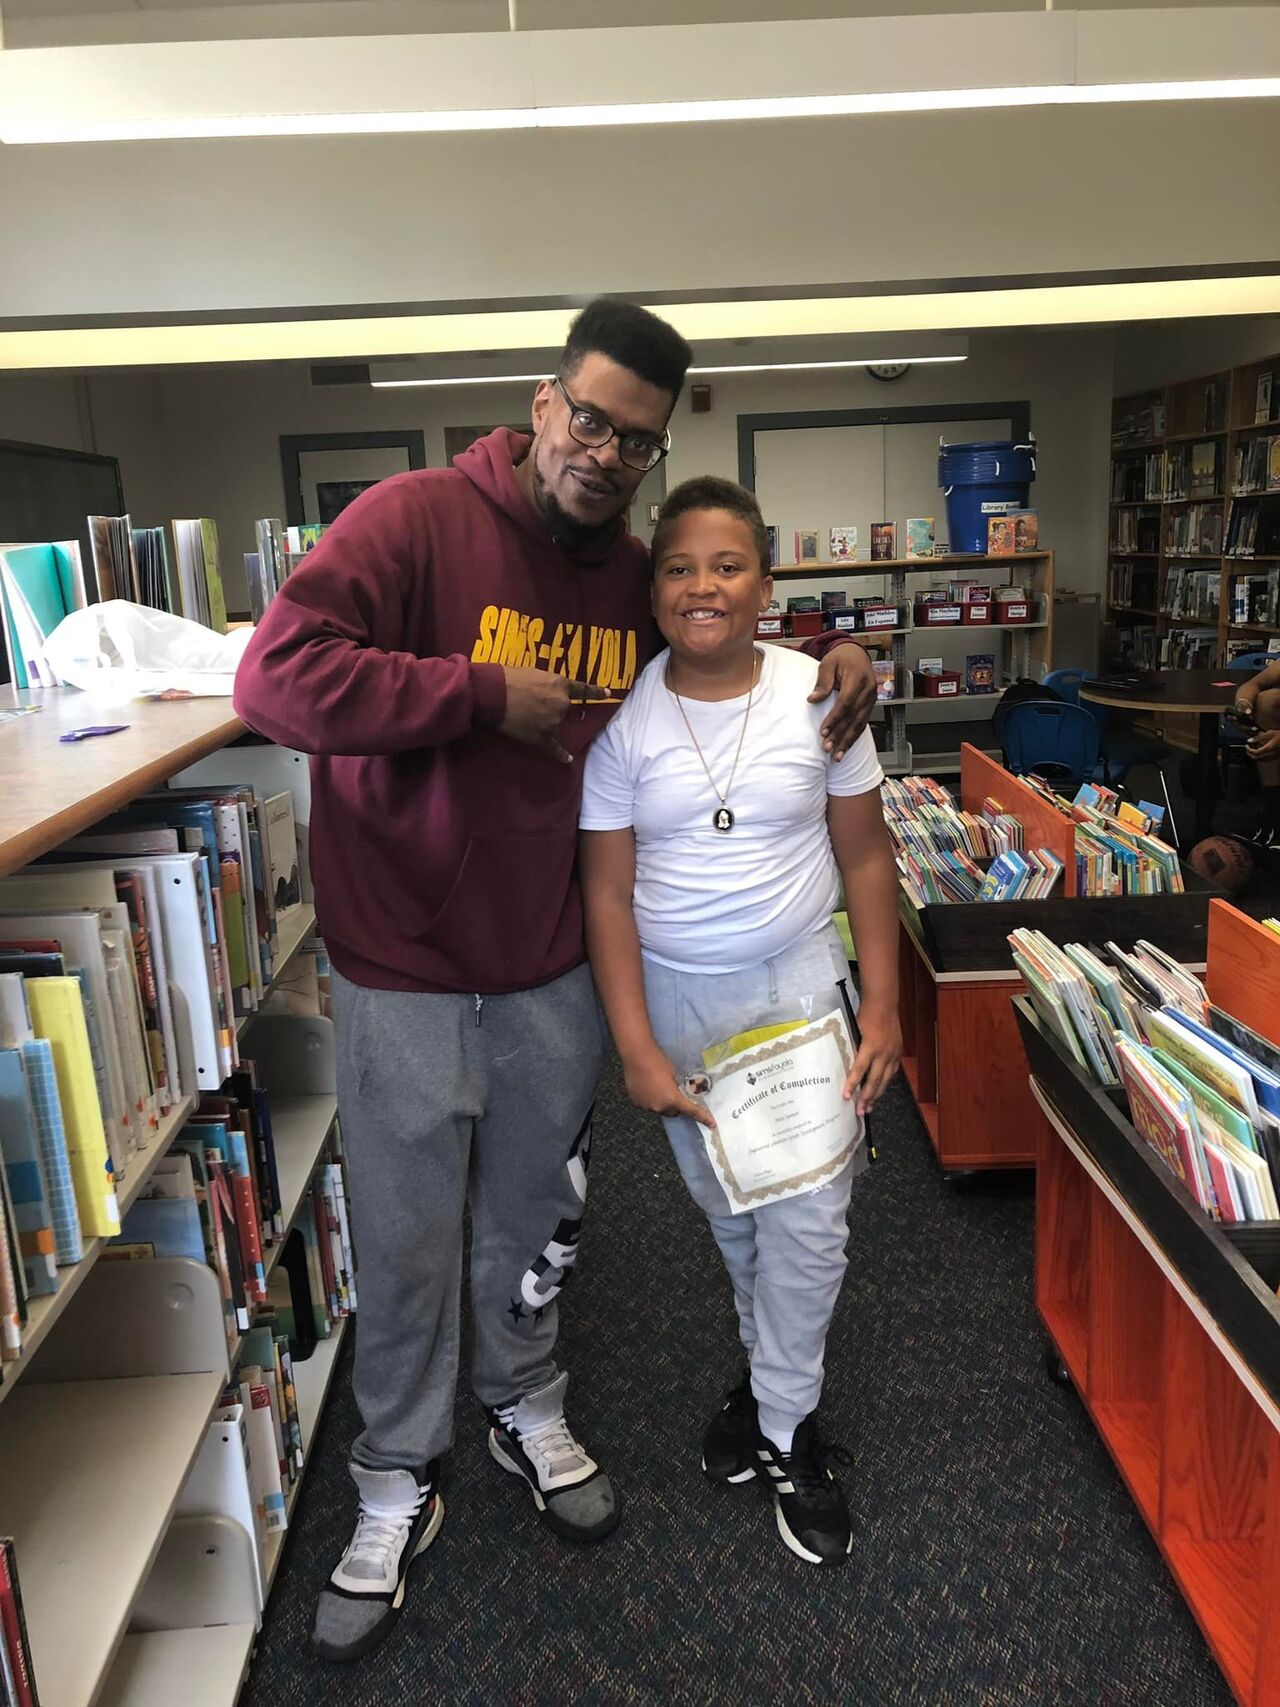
x: 282, y: 851
x: 844, y: 543
x: 39, y: 585
x: 42, y: 1084
x: 884, y: 536
x: 114, y: 560
x: 13, y: 1628
x: 1002, y: 536
x: 980, y: 672
x: 806, y: 545
x: 1262, y: 399
x: 1026, y: 530
x: 775, y: 550
x: 199, y: 577
x: 24, y: 1170
x: 57, y: 1015
x: 920, y: 536
x: 264, y: 1460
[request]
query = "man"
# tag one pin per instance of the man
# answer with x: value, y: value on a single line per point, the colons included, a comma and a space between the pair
x: 448, y: 652
x: 1257, y: 708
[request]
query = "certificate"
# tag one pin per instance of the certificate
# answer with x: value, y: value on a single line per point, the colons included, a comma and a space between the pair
x: 782, y: 1125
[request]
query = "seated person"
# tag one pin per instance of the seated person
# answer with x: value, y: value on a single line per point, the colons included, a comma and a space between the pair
x: 1257, y: 708
x: 715, y: 830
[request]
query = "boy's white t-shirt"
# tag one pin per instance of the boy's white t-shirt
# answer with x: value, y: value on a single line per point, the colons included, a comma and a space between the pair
x: 707, y: 901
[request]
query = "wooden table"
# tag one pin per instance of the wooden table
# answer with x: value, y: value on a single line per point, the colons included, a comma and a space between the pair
x: 49, y: 791
x: 1199, y: 692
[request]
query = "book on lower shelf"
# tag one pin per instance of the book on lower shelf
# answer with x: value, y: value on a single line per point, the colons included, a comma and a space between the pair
x: 15, y: 1645
x: 1202, y: 1088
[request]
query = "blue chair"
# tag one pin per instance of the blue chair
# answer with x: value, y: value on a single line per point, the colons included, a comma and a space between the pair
x: 1122, y: 747
x: 1052, y: 738
x: 1066, y: 684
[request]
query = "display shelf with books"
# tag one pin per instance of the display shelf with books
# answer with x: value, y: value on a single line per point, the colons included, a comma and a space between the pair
x: 202, y: 1069
x: 1166, y: 1318
x: 962, y: 1057
x: 1006, y: 598
x: 1208, y: 498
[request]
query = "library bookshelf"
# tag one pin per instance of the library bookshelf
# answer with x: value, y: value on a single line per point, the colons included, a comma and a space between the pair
x: 1169, y: 1335
x: 1175, y: 597
x: 1019, y: 649
x: 962, y: 1055
x: 130, y: 1602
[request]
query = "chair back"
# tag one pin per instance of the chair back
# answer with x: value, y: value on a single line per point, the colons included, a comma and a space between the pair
x: 1254, y: 661
x: 1066, y: 683
x: 1046, y: 736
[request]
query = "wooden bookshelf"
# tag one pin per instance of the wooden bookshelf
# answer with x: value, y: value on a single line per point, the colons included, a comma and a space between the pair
x: 1226, y: 402
x: 1170, y: 1338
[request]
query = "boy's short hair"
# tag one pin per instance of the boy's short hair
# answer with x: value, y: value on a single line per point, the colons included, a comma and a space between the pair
x: 632, y: 337
x: 710, y: 492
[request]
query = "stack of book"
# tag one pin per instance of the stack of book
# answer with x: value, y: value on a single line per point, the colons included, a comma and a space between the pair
x: 1203, y: 1089
x: 199, y: 576
x: 1256, y: 466
x: 1255, y: 599
x: 1189, y: 649
x: 1195, y: 530
x: 938, y: 848
x: 1253, y: 529
x: 1192, y: 592
x: 15, y: 1647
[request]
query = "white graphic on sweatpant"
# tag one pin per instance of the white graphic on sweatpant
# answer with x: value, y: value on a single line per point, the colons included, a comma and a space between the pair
x: 548, y: 1272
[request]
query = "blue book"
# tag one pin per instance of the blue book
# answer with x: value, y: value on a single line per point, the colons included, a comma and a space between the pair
x: 1266, y: 1084
x: 46, y: 1103
x: 25, y: 1177
x: 171, y: 1225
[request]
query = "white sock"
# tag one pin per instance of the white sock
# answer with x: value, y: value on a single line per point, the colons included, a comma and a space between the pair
x: 780, y: 1437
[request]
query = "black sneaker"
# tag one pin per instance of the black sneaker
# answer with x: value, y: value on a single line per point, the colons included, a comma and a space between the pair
x: 813, y: 1519
x: 729, y: 1444
x: 400, y: 1516
x: 530, y: 1438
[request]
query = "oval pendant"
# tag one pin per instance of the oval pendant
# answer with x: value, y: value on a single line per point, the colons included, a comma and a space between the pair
x: 722, y: 820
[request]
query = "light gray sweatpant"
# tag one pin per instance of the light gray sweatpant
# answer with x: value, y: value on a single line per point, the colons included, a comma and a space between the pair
x: 785, y: 1260
x: 446, y: 1099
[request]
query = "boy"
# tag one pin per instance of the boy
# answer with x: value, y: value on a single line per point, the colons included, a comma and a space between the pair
x: 713, y: 824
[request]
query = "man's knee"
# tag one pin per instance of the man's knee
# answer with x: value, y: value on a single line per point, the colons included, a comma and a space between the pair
x: 1267, y: 709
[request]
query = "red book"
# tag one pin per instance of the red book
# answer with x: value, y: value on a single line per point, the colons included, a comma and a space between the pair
x: 326, y: 1252
x: 255, y: 1274
x: 15, y: 1627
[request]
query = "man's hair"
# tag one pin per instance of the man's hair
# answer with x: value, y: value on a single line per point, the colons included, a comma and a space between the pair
x: 632, y: 337
x: 709, y: 492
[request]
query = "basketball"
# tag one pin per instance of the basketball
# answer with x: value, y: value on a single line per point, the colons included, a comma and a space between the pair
x: 1225, y: 862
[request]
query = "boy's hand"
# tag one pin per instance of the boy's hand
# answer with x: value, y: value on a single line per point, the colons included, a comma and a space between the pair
x: 877, y: 1060
x: 845, y: 671
x: 1263, y: 744
x: 651, y: 1084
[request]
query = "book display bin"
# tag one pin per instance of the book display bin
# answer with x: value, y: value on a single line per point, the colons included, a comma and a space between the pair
x: 961, y: 1052
x: 1168, y: 1325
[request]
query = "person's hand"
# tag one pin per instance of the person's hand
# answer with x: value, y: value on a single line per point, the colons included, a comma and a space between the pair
x: 1243, y: 709
x: 877, y: 1058
x: 537, y: 703
x: 651, y: 1084
x: 845, y: 671
x: 1263, y: 744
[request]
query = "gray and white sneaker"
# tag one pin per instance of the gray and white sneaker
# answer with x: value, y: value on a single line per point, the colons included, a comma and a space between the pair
x: 400, y: 1517
x: 531, y: 1438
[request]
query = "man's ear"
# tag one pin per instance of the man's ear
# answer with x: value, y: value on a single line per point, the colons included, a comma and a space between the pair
x: 541, y: 403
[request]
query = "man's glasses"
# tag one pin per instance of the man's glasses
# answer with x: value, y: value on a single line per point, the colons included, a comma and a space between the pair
x: 594, y: 430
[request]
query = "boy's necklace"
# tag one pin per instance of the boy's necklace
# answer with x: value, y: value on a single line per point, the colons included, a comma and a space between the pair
x: 722, y: 818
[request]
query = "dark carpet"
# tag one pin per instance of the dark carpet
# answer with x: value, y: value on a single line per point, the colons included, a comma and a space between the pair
x: 997, y: 1558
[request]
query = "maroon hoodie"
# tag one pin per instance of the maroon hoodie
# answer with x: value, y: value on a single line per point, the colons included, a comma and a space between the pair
x: 443, y: 852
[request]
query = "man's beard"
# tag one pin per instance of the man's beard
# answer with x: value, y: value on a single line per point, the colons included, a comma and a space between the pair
x: 567, y: 529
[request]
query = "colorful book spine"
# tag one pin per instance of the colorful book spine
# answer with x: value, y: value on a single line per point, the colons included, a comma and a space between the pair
x: 42, y: 1082
x: 57, y: 1015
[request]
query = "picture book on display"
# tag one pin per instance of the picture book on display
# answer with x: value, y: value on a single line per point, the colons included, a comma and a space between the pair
x: 39, y: 585
x: 884, y: 541
x: 199, y: 574
x: 1203, y: 1090
x: 946, y: 854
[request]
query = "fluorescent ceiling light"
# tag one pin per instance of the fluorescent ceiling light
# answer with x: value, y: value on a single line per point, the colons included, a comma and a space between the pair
x: 53, y: 126
x: 743, y: 367
x: 365, y: 337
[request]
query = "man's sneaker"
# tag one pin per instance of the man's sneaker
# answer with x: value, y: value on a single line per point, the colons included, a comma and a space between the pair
x: 532, y: 1439
x: 729, y: 1444
x: 813, y: 1519
x: 400, y: 1517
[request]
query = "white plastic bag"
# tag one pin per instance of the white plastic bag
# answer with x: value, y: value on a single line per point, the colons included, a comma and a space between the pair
x: 123, y: 651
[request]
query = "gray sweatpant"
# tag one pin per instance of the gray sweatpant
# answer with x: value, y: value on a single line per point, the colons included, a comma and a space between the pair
x: 444, y: 1099
x: 785, y: 1260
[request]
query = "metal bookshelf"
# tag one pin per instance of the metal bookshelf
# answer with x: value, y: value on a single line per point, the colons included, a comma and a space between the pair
x: 1023, y: 648
x: 106, y: 1410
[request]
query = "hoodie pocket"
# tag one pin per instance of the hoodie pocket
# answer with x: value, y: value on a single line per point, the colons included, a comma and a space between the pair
x: 513, y: 916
